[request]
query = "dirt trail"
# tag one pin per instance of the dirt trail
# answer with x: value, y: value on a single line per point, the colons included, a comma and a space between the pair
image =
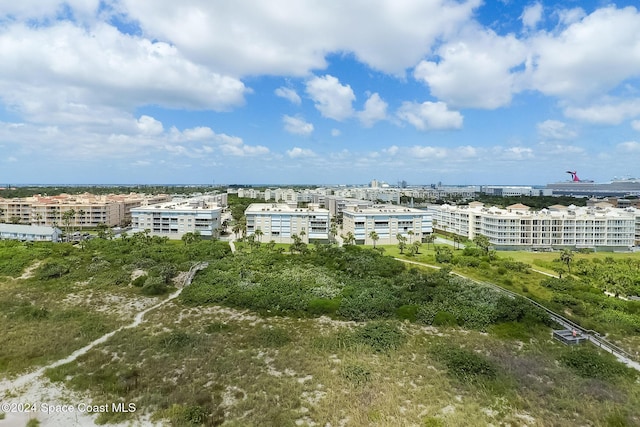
x: 29, y: 387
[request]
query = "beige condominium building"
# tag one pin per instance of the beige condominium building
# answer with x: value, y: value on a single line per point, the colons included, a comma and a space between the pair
x: 279, y: 222
x: 81, y: 211
x: 387, y: 221
x: 519, y: 227
x: 175, y: 219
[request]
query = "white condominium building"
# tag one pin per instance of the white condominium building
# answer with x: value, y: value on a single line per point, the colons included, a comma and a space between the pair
x: 175, y: 219
x: 279, y: 222
x: 387, y: 221
x: 517, y: 227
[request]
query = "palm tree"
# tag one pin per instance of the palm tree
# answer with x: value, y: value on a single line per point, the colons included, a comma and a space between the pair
x: 402, y: 242
x: 482, y: 242
x: 302, y: 234
x: 66, y: 220
x: 374, y: 236
x: 431, y: 238
x: 410, y: 233
x: 456, y: 241
x: 566, y: 257
x: 258, y: 233
x: 237, y: 228
x: 349, y: 238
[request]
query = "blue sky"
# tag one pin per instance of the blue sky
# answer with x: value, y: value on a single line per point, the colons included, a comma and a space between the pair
x: 308, y: 92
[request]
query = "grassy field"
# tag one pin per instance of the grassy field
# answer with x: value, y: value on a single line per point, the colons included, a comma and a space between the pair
x: 213, y: 365
x: 193, y: 362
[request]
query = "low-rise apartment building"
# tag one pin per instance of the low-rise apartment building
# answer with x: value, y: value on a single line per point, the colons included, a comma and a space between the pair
x: 387, y: 221
x: 279, y: 222
x: 29, y: 233
x: 518, y: 227
x: 88, y: 210
x: 175, y: 219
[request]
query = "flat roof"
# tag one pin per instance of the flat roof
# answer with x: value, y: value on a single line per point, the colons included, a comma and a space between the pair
x: 281, y: 207
x: 28, y: 229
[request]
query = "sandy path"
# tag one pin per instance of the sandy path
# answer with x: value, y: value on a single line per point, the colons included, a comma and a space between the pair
x: 40, y: 393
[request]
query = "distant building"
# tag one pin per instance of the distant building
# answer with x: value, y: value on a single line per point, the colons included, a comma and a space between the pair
x: 279, y: 222
x: 89, y: 210
x: 175, y: 219
x: 518, y: 227
x: 387, y: 221
x: 30, y: 233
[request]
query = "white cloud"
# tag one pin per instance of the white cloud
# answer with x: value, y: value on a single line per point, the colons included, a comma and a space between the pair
x: 531, y: 16
x: 297, y: 152
x: 63, y: 74
x: 335, y: 132
x: 429, y: 115
x: 517, y: 153
x: 245, y: 37
x: 244, y: 150
x: 82, y: 10
x: 426, y: 152
x: 475, y: 69
x: 149, y: 126
x: 555, y: 130
x: 589, y: 57
x: 297, y: 125
x: 199, y: 133
x: 635, y: 124
x: 288, y: 94
x: 559, y: 150
x: 466, y: 151
x: 570, y: 16
x: 629, y: 147
x: 391, y: 151
x: 375, y: 109
x: 331, y: 98
x: 608, y: 113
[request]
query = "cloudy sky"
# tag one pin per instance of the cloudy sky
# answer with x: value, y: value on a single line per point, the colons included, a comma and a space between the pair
x: 318, y: 91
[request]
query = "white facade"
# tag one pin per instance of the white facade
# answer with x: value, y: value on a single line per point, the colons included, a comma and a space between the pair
x: 279, y: 222
x: 175, y: 219
x: 31, y: 233
x: 559, y: 226
x: 387, y: 221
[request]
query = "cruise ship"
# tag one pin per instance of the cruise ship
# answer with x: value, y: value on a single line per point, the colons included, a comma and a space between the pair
x: 586, y: 188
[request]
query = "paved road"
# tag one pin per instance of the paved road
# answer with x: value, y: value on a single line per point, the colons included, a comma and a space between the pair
x: 591, y: 335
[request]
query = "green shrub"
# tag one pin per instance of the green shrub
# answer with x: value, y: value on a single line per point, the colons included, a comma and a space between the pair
x: 443, y: 318
x: 368, y: 304
x: 154, y: 286
x: 139, y: 281
x: 588, y: 363
x: 465, y: 364
x: 407, y: 312
x: 380, y: 336
x: 52, y: 270
x: 510, y: 330
x: 356, y: 374
x: 322, y: 306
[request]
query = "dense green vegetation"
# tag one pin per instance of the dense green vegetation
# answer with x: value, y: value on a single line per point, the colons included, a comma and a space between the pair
x: 352, y: 283
x: 324, y: 335
x: 99, y: 189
